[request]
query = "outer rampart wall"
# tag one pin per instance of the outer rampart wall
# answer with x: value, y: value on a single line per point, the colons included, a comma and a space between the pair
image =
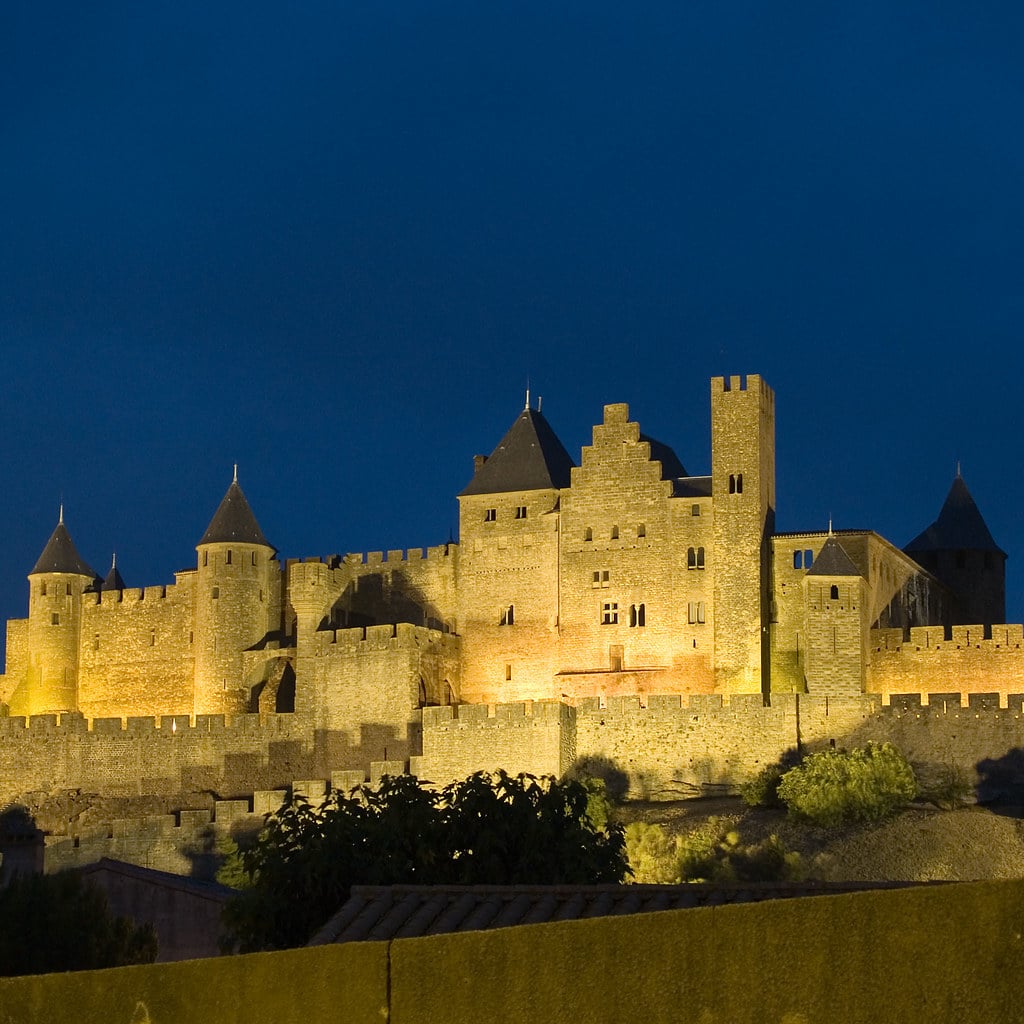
x: 928, y: 663
x: 532, y: 736
x: 143, y: 756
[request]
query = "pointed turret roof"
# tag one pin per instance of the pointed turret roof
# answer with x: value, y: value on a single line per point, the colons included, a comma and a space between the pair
x: 114, y: 580
x: 529, y: 458
x: 833, y: 560
x: 234, y: 521
x: 960, y: 526
x: 61, y: 555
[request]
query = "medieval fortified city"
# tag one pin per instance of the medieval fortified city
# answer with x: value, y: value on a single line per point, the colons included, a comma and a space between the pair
x: 613, y: 611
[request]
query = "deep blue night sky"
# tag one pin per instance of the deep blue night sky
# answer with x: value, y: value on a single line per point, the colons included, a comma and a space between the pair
x: 332, y: 241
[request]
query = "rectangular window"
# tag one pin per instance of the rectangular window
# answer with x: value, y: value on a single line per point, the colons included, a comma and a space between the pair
x: 68, y: 589
x: 695, y: 510
x: 641, y: 530
x: 695, y: 558
x: 508, y: 671
x: 42, y: 590
x: 520, y: 511
x: 215, y: 593
x: 254, y: 558
x: 695, y: 611
x: 600, y: 578
x: 229, y: 557
x: 490, y: 515
x: 54, y: 619
x: 508, y: 616
x: 609, y: 614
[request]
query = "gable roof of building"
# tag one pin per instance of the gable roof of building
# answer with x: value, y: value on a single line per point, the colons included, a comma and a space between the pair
x: 234, y: 521
x: 374, y: 913
x: 833, y: 560
x: 528, y: 458
x: 960, y: 526
x: 61, y: 555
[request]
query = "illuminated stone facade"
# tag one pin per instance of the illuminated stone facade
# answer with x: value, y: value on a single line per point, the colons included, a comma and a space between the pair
x: 622, y: 575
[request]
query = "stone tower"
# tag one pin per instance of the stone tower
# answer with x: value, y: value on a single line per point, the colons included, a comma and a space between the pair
x: 743, y: 492
x: 959, y: 550
x: 56, y: 584
x: 508, y: 562
x: 234, y: 603
x: 836, y: 623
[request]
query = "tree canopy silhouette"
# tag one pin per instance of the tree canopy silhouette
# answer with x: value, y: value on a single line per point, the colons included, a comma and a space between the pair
x: 498, y: 830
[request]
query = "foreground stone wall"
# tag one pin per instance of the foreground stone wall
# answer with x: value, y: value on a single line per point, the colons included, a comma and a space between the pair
x: 953, y: 954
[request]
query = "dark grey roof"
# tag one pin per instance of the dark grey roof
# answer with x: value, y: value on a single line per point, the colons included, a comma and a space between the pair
x: 61, y: 555
x: 406, y: 911
x: 162, y: 879
x: 692, y: 487
x: 234, y: 521
x: 114, y: 580
x: 671, y: 467
x: 833, y: 560
x: 529, y: 458
x: 960, y: 526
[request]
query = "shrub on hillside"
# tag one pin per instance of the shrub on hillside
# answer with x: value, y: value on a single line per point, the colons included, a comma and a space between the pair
x: 727, y: 859
x: 653, y: 855
x: 763, y: 789
x: 833, y: 786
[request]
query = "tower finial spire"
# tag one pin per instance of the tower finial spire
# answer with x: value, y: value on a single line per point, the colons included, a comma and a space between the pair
x: 113, y: 561
x: 234, y: 479
x: 60, y: 514
x: 830, y: 526
x: 958, y: 468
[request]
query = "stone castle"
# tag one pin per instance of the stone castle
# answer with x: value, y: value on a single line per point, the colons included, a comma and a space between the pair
x: 618, y: 609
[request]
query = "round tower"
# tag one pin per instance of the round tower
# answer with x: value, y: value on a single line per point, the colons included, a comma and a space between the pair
x: 56, y: 584
x: 233, y: 603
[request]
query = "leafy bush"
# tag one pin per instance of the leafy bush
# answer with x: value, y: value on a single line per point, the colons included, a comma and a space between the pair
x: 496, y: 830
x: 600, y: 807
x: 948, y: 789
x: 832, y: 787
x: 653, y: 855
x: 724, y: 858
x: 763, y: 789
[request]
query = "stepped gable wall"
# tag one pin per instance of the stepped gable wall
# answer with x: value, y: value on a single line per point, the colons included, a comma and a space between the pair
x: 136, y: 652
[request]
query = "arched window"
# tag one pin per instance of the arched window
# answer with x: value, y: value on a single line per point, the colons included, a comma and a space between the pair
x: 700, y: 558
x: 735, y: 483
x: 691, y: 558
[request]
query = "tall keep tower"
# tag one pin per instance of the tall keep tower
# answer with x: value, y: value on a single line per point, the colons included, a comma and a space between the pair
x: 234, y: 602
x: 743, y: 493
x: 56, y: 584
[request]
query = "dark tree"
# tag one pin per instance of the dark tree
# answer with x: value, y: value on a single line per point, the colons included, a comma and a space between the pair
x: 61, y: 923
x: 495, y: 830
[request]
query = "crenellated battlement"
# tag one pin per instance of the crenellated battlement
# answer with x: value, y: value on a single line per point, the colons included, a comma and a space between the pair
x: 130, y: 596
x: 1004, y: 637
x: 393, y: 637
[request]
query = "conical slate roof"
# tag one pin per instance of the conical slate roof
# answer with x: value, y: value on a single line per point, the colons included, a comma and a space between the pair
x: 61, y: 555
x: 833, y: 560
x: 960, y: 526
x: 529, y: 458
x: 114, y: 580
x: 234, y: 521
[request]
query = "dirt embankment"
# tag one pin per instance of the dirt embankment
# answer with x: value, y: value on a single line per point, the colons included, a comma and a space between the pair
x: 921, y: 843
